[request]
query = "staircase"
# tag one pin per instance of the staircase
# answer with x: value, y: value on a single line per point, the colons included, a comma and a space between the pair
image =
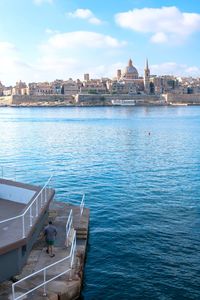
x: 81, y: 233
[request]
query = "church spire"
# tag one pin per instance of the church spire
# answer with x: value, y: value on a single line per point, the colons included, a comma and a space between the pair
x: 147, y: 77
x: 147, y: 64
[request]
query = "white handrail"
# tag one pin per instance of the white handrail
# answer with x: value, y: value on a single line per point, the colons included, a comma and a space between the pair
x: 69, y: 227
x: 44, y: 270
x: 34, y: 201
x: 36, y: 197
x: 82, y: 204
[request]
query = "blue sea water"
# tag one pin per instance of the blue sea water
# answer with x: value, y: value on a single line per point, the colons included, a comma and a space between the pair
x: 140, y: 170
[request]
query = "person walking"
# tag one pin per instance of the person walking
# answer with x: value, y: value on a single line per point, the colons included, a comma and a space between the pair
x: 50, y: 233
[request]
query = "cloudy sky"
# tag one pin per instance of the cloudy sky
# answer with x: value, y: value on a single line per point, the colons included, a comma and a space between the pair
x: 56, y: 39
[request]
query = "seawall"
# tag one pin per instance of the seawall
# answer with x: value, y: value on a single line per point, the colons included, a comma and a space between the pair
x: 97, y: 99
x: 183, y: 98
x: 107, y: 98
x: 36, y: 100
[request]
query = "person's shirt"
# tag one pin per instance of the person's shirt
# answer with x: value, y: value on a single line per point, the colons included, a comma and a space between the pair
x: 50, y: 232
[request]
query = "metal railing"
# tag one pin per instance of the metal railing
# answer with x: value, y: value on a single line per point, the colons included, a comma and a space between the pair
x: 69, y: 226
x: 32, y: 211
x: 81, y: 202
x: 44, y: 280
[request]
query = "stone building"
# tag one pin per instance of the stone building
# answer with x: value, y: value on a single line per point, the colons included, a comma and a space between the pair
x: 40, y: 89
x: 130, y: 72
x: 7, y: 91
x: 94, y: 86
x: 86, y: 77
x: 121, y: 87
x: 126, y: 82
x: 20, y: 89
x: 57, y: 86
x: 70, y: 87
x: 1, y: 89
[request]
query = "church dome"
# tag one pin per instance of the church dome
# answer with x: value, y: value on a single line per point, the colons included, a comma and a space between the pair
x: 130, y: 71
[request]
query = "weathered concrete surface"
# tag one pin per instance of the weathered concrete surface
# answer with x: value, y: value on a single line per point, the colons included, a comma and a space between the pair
x: 67, y: 286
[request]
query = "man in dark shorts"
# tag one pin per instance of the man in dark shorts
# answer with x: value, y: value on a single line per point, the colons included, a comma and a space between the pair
x: 50, y: 233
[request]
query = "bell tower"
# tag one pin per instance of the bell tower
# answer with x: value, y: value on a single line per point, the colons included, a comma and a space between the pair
x: 147, y: 78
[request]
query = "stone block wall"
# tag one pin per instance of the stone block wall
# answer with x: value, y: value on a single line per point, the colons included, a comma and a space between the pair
x: 18, y: 99
x: 184, y: 98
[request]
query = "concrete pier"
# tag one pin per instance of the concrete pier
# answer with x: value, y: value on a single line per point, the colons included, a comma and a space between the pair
x: 64, y: 287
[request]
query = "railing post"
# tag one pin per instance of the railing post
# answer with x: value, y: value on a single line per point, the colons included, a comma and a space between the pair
x: 40, y: 200
x: 44, y: 195
x: 31, y: 223
x: 13, y: 291
x: 36, y: 207
x: 82, y: 205
x: 44, y: 291
x: 23, y: 226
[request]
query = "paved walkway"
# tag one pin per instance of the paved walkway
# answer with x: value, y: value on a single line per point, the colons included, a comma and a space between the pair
x: 69, y: 283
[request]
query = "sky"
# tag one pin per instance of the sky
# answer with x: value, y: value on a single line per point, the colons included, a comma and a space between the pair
x: 44, y: 40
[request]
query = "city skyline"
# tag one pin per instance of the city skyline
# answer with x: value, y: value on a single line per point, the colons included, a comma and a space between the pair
x: 47, y: 39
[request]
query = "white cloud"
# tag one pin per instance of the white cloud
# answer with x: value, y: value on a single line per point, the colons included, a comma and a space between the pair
x: 12, y: 66
x: 62, y: 55
x: 159, y: 37
x: 39, y: 2
x: 166, y: 24
x: 72, y: 54
x: 172, y: 68
x: 6, y: 46
x: 85, y: 14
x: 82, y: 39
x: 95, y: 21
x: 51, y: 31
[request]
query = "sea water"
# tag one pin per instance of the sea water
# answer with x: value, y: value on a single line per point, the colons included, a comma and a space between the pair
x: 140, y: 170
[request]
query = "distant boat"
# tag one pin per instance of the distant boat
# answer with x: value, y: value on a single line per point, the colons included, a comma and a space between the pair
x: 123, y: 102
x: 178, y: 104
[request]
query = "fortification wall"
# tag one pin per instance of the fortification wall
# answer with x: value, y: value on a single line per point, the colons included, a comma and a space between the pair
x: 18, y: 99
x: 90, y: 98
x: 5, y: 100
x: 184, y: 98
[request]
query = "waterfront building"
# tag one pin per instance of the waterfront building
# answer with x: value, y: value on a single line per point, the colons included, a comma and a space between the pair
x: 164, y: 84
x: 1, y: 89
x: 7, y: 91
x: 94, y: 86
x: 130, y: 72
x: 57, y: 86
x: 86, y: 77
x: 20, y: 88
x: 126, y: 82
x: 40, y: 89
x: 119, y: 74
x: 122, y: 87
x: 70, y: 87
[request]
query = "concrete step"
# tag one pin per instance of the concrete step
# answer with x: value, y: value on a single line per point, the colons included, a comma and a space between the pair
x: 82, y: 236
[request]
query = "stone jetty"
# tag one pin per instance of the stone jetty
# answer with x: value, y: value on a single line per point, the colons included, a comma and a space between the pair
x: 66, y: 286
